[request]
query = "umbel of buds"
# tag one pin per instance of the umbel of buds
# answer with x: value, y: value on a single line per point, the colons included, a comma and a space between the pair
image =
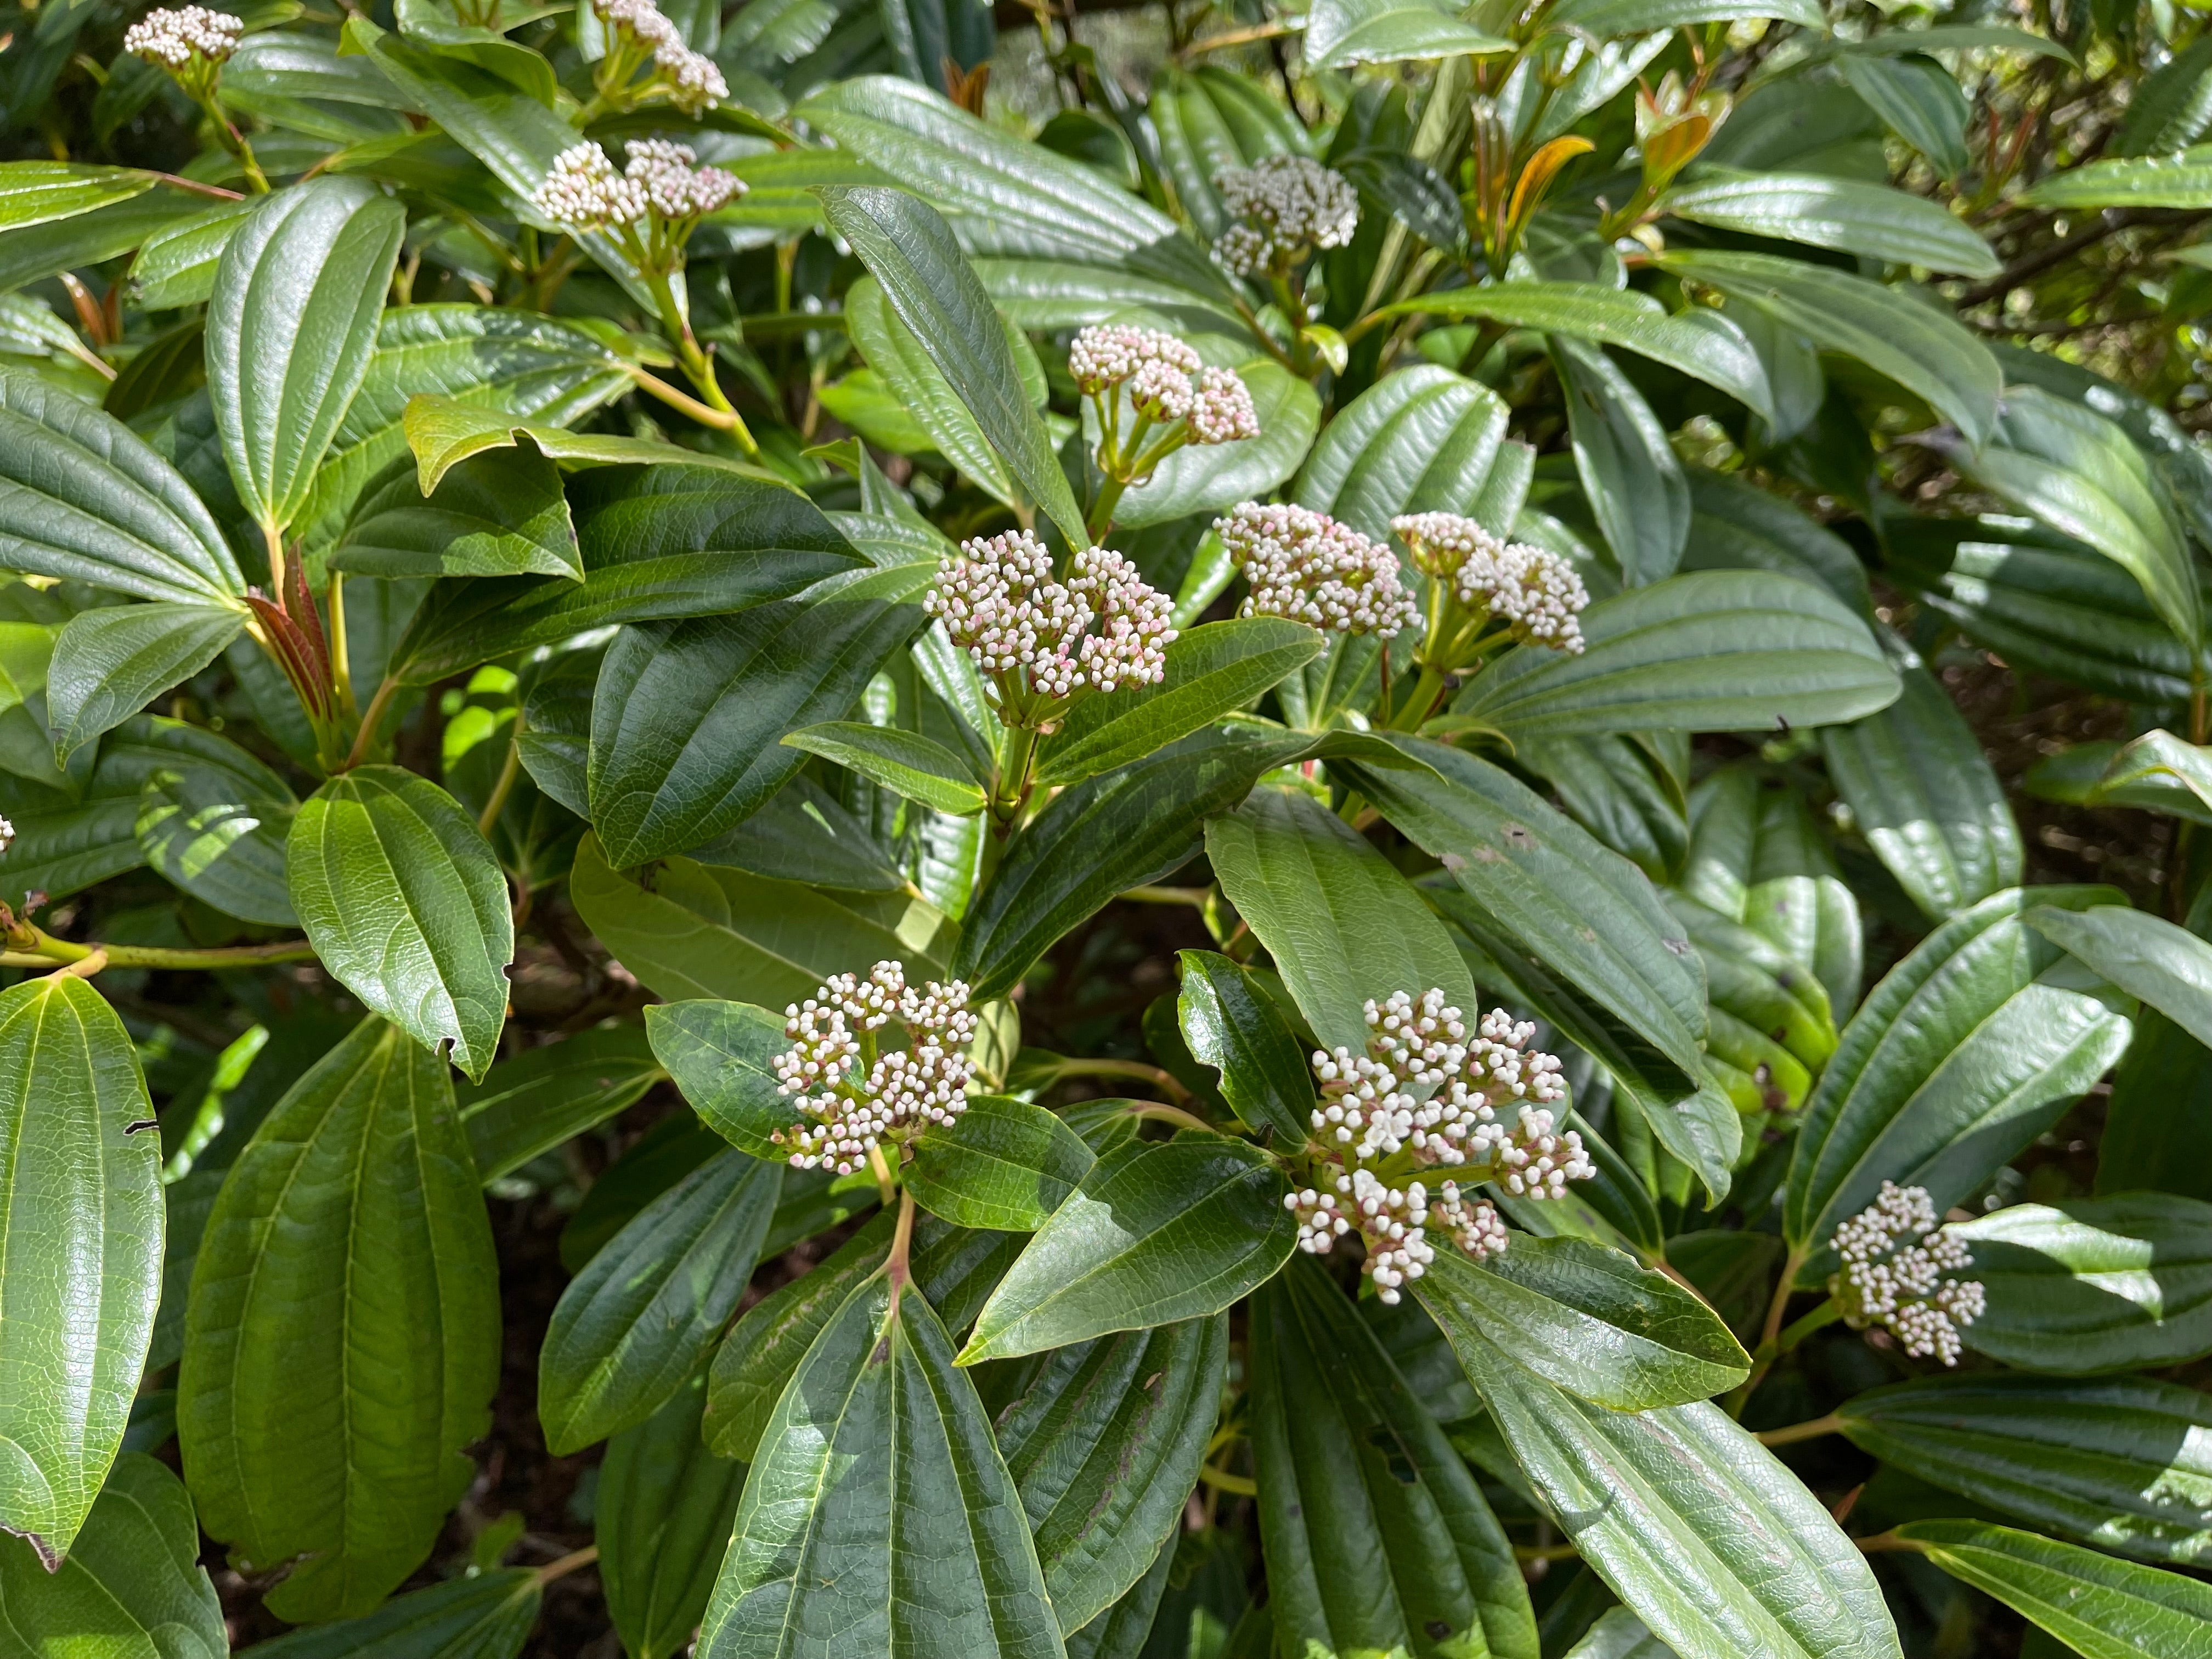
x: 1152, y: 395
x: 1285, y: 207
x: 652, y: 206
x: 1429, y: 1092
x: 190, y: 42
x: 1306, y: 566
x: 1896, y: 1266
x: 1499, y: 588
x: 640, y: 38
x: 1031, y: 634
x: 856, y: 1094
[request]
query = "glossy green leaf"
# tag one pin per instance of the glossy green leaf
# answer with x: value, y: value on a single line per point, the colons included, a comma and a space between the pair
x: 36, y: 191
x: 878, y: 1518
x: 1631, y: 475
x: 1922, y: 793
x: 444, y: 432
x: 1422, y: 439
x: 2170, y: 108
x: 1001, y: 1163
x: 1103, y: 1440
x: 1617, y: 789
x: 2169, y: 967
x: 500, y: 513
x: 110, y: 662
x: 1157, y: 1232
x: 641, y: 1317
x: 1720, y: 1550
x: 662, y: 1518
x: 1212, y: 478
x: 1588, y: 1320
x: 688, y: 929
x: 85, y: 500
x: 1619, y: 1634
x: 1838, y: 213
x: 905, y: 762
x: 1918, y: 99
x: 1212, y: 672
x: 2183, y: 179
x: 1601, y: 18
x: 542, y: 1097
x: 1230, y: 1024
x: 1969, y: 1049
x: 1711, y: 650
x: 132, y: 1584
x: 488, y: 1616
x: 2156, y: 771
x: 2099, y: 1607
x: 722, y: 1055
x: 336, y: 1364
x: 2089, y: 1285
x: 1344, y: 928
x: 1735, y: 527
x: 214, y: 823
x: 175, y: 264
x: 81, y: 1220
x: 1377, y: 1535
x: 403, y: 901
x: 2158, y: 1131
x: 291, y: 326
x: 1342, y: 32
x: 910, y: 251
x: 2122, y: 1462
x: 1917, y: 346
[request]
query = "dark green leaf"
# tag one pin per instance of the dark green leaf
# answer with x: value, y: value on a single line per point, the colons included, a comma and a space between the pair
x: 1601, y: 18
x: 2170, y: 107
x: 2099, y: 1607
x: 1230, y: 1025
x: 110, y: 662
x: 1001, y: 1163
x: 722, y: 1055
x: 1342, y: 32
x: 36, y: 191
x: 214, y: 822
x: 1422, y: 439
x: 175, y: 264
x: 1918, y: 99
x: 489, y: 1616
x: 132, y: 1584
x: 905, y: 762
x: 545, y: 1096
x: 2183, y: 179
x: 1838, y: 213
x: 663, y: 1515
x: 500, y: 513
x: 1202, y: 478
x: 2158, y: 1125
x: 2146, y: 955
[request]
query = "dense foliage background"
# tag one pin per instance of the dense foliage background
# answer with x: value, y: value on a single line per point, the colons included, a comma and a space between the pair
x: 487, y: 623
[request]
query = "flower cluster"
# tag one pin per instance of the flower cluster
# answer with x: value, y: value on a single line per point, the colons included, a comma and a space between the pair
x: 858, y: 1095
x: 692, y: 81
x: 7, y: 835
x: 1306, y: 566
x: 1284, y: 206
x: 1426, y: 1092
x: 662, y: 182
x: 1895, y: 1260
x: 1030, y: 634
x: 1168, y: 386
x: 676, y: 187
x: 1534, y: 592
x: 192, y: 43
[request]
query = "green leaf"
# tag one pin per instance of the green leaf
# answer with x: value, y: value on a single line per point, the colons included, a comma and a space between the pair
x: 1617, y: 789
x: 342, y: 1343
x: 2146, y: 955
x: 34, y: 192
x: 1719, y: 1549
x: 2081, y: 474
x: 175, y: 264
x: 132, y: 1584
x: 1918, y: 99
x: 641, y: 1317
x: 2156, y: 771
x: 443, y: 432
x: 2121, y: 1462
x: 662, y: 1518
x: 1103, y: 1440
x: 85, y: 500
x: 2158, y: 1131
x: 1924, y: 794
x: 1376, y: 1533
x: 1588, y: 1320
x: 1916, y: 345
x: 81, y: 1231
x: 1212, y: 672
x: 910, y: 251
x: 291, y: 325
x: 403, y: 901
x: 879, y: 1433
x: 1342, y: 32
x: 1001, y: 1163
x: 1422, y: 439
x: 1707, y: 651
x: 90, y: 239
x: 2183, y: 179
x: 1231, y: 1023
x: 1700, y: 342
x: 1344, y: 928
x: 2099, y: 1607
x: 1968, y: 1049
x: 1212, y: 478
x: 1619, y: 1634
x: 548, y: 1095
x: 1605, y: 18
x: 2169, y: 108
x: 1629, y: 474
x: 1157, y: 1232
x: 1838, y: 213
x: 722, y: 1056
x: 500, y: 513
x: 214, y: 824
x: 2090, y: 1286
x: 688, y: 929
x: 685, y: 721
x: 488, y: 1616
x: 905, y: 762
x: 112, y: 661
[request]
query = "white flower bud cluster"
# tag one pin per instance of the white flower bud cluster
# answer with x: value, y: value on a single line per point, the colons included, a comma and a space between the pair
x: 1031, y: 634
x: 1307, y: 567
x: 1167, y: 382
x: 856, y: 1097
x: 7, y: 835
x: 694, y: 80
x: 1221, y: 412
x: 583, y: 191
x: 1537, y: 594
x: 1107, y: 354
x: 1895, y: 1257
x: 1285, y: 205
x: 178, y: 39
x: 1427, y: 1092
x: 676, y: 187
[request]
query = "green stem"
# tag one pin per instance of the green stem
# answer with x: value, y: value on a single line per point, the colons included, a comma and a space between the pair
x: 43, y: 950
x: 370, y: 720
x: 1102, y: 510
x: 1135, y: 1068
x: 1175, y: 1115
x: 509, y: 769
x: 1012, y: 787
x: 1814, y: 1430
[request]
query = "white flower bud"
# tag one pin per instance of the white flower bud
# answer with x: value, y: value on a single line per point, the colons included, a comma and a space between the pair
x: 1895, y: 1258
x: 187, y: 38
x: 1537, y: 594
x: 1306, y: 566
x: 851, y: 1114
x: 1287, y: 205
